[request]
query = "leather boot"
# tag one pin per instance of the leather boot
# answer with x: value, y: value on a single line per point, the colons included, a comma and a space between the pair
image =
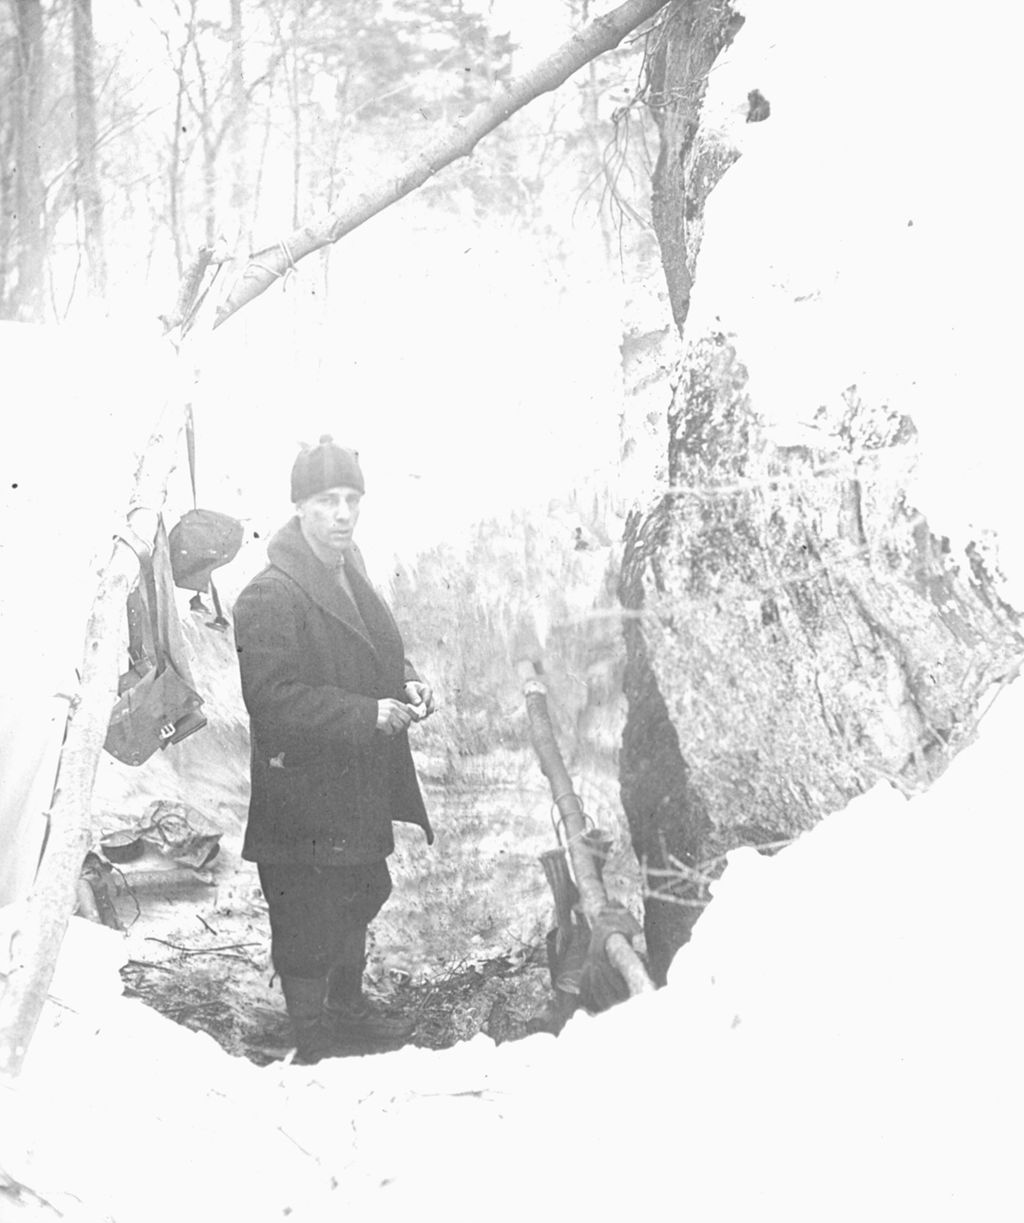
x: 350, y: 1015
x: 304, y: 999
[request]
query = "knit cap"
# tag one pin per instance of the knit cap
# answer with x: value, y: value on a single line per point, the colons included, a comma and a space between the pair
x: 324, y: 466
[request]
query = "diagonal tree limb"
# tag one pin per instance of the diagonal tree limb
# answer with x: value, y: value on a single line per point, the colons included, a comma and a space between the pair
x: 50, y: 903
x: 264, y: 267
x: 51, y: 900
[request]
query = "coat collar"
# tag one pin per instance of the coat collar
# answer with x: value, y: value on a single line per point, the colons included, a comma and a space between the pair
x: 289, y: 552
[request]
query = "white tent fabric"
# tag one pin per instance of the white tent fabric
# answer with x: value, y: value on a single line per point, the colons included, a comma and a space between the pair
x: 80, y: 406
x: 30, y: 739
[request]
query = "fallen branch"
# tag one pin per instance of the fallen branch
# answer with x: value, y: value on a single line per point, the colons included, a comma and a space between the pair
x: 266, y: 266
x: 150, y: 964
x: 200, y: 950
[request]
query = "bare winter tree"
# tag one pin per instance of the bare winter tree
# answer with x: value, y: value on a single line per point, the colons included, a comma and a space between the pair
x: 265, y: 267
x: 87, y: 183
x: 30, y: 227
x: 239, y: 100
x: 51, y: 901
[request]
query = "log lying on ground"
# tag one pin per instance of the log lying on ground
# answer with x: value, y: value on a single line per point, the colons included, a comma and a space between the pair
x: 603, y: 34
x: 593, y: 897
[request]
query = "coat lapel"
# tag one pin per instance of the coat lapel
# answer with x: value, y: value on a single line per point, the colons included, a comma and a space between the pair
x: 374, y: 611
x: 289, y: 552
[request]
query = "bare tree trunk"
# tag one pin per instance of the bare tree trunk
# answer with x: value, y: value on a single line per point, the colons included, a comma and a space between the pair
x: 174, y: 170
x: 51, y: 902
x: 86, y: 176
x: 794, y: 631
x: 266, y: 266
x: 8, y: 190
x: 209, y: 143
x: 687, y: 170
x: 29, y: 182
x: 174, y: 175
x: 295, y: 102
x: 239, y: 103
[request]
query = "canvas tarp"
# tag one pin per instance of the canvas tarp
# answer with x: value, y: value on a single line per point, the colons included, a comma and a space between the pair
x: 80, y: 405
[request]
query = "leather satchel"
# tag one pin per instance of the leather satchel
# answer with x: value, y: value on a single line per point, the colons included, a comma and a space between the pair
x: 155, y: 706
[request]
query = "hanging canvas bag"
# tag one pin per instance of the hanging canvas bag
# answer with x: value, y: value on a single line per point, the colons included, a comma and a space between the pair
x: 155, y: 706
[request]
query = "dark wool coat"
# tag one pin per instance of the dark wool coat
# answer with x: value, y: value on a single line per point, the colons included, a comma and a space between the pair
x: 326, y: 784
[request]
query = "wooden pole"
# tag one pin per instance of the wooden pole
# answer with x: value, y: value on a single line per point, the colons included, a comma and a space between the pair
x: 593, y: 897
x: 51, y: 900
x: 264, y: 267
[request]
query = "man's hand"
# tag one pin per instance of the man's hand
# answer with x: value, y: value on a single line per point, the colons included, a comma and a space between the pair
x: 393, y: 717
x: 421, y: 697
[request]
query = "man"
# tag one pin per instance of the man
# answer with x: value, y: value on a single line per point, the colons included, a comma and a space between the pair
x: 330, y: 697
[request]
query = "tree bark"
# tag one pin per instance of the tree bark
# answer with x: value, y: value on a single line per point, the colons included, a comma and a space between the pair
x: 87, y: 181
x: 30, y: 196
x: 266, y: 266
x: 687, y: 168
x: 795, y: 632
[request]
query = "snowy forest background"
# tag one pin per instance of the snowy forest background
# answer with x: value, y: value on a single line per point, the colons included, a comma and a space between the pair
x: 822, y: 578
x: 499, y: 456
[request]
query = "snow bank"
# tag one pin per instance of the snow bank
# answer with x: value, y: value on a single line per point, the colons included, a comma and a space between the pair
x: 840, y: 1041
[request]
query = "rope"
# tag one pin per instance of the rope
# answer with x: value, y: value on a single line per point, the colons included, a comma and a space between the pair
x: 290, y: 270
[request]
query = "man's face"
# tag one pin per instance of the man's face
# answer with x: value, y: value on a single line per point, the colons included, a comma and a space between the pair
x: 329, y: 518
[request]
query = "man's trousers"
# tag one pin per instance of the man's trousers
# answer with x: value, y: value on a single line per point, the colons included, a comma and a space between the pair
x: 319, y: 914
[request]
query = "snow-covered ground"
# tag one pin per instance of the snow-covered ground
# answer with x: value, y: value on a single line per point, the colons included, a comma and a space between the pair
x: 840, y: 1041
